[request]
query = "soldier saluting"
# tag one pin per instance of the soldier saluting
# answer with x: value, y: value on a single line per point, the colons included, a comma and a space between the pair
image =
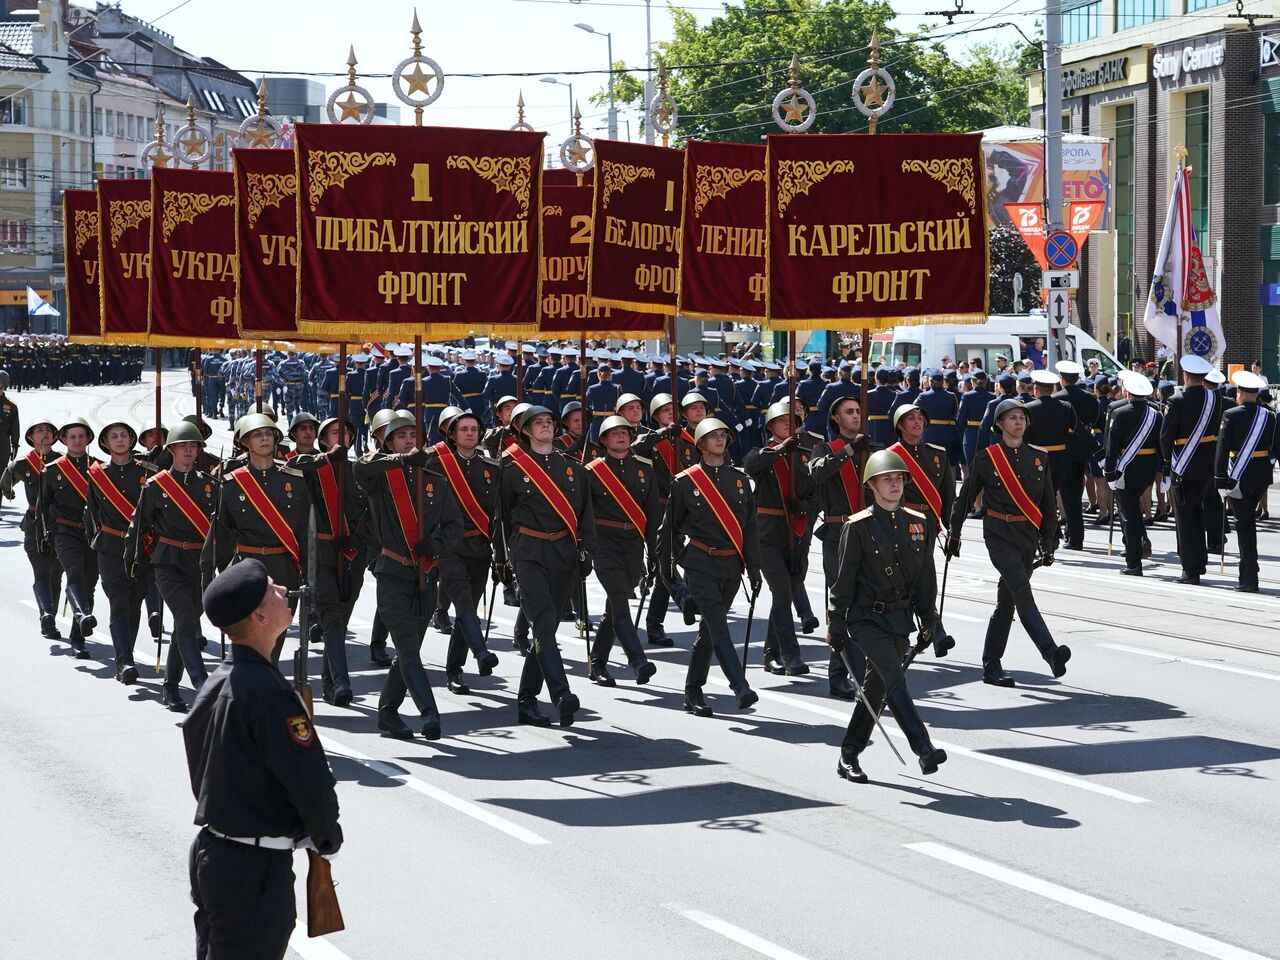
x: 1247, y: 443
x: 886, y: 583
x: 1016, y: 485
x: 175, y: 511
x: 1188, y: 439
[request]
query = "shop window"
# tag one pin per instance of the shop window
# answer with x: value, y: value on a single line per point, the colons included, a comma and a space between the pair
x: 1081, y: 22
x: 1134, y: 13
x: 1122, y: 198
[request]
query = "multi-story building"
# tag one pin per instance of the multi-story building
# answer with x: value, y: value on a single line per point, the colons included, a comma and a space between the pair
x: 1154, y: 76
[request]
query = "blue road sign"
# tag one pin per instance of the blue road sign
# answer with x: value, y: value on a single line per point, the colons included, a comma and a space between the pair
x: 1061, y: 249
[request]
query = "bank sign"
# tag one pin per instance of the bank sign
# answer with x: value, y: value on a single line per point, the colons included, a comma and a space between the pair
x: 1175, y: 65
x: 1099, y: 73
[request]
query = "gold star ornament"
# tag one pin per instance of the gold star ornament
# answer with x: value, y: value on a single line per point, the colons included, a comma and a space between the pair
x: 873, y: 92
x: 352, y: 109
x: 795, y: 109
x: 419, y: 81
x: 260, y: 136
x: 193, y: 142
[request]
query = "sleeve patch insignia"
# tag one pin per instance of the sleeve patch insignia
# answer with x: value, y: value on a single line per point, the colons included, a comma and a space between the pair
x: 300, y: 730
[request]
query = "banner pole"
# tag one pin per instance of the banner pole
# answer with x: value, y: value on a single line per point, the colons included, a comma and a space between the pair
x: 257, y: 388
x: 519, y: 370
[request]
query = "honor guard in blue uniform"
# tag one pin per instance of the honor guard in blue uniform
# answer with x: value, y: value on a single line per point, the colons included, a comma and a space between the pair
x: 545, y: 380
x: 762, y: 396
x: 602, y: 400
x: 908, y: 394
x: 842, y: 387
x: 879, y: 400
x: 291, y: 376
x: 627, y: 378
x: 973, y: 407
x: 358, y: 385
x: 438, y: 392
x: 1081, y: 446
x: 1052, y: 429
x: 470, y: 383
x: 1247, y: 444
x: 941, y: 407
x: 396, y: 377
x: 529, y: 369
x: 501, y: 383
x: 561, y: 376
x: 809, y: 392
x: 211, y: 373
x: 1007, y: 388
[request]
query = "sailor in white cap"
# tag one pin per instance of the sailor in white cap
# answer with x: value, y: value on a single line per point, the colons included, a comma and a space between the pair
x: 1188, y: 443
x: 1052, y: 426
x: 1131, y: 462
x: 470, y: 383
x: 1082, y: 444
x: 1247, y: 444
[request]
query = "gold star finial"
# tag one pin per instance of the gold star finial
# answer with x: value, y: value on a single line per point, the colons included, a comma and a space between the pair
x: 794, y: 108
x: 873, y: 92
x: 352, y: 109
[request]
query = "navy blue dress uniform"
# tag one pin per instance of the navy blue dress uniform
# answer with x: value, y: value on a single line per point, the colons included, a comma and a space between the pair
x: 64, y: 498
x: 500, y: 384
x: 396, y: 378
x: 886, y: 583
x: 602, y: 400
x: 625, y: 506
x: 713, y: 563
x: 114, y: 491
x: 1188, y: 443
x: 908, y: 394
x: 628, y: 379
x: 175, y: 510
x: 942, y: 408
x: 1019, y: 522
x: 1053, y: 429
x: 1081, y: 447
x: 763, y: 394
x: 46, y: 572
x: 386, y: 478
x: 970, y: 414
x: 879, y: 401
x: 551, y: 554
x: 9, y: 426
x: 540, y: 389
x: 809, y: 392
x: 1008, y: 388
x: 262, y: 786
x: 470, y: 382
x: 1247, y: 444
x: 1131, y: 459
x: 560, y: 379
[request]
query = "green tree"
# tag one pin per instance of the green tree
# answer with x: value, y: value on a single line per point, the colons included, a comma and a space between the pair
x: 1010, y: 255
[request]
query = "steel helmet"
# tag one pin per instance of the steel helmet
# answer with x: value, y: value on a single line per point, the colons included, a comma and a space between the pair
x: 326, y: 425
x: 518, y: 412
x: 184, y: 433
x: 882, y: 462
x: 836, y: 403
x: 533, y: 412
x: 571, y: 407
x: 625, y: 399
x: 659, y: 401
x: 613, y: 422
x: 205, y: 430
x: 380, y: 420
x: 256, y: 421
x: 903, y: 410
x: 708, y: 426
x: 102, y: 435
x: 447, y: 416
x: 40, y: 423
x: 693, y: 397
x: 4, y: 379
x: 397, y: 422
x: 779, y: 409
x: 299, y: 419
x: 74, y: 422
x: 1004, y: 406
x: 503, y: 401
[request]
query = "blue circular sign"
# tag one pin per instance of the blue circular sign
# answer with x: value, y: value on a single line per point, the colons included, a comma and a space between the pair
x: 1061, y: 249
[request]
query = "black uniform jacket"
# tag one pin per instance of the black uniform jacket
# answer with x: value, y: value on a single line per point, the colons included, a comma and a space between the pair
x: 886, y: 572
x: 1031, y: 466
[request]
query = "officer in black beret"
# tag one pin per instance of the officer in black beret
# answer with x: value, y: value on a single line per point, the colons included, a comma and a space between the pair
x: 260, y: 776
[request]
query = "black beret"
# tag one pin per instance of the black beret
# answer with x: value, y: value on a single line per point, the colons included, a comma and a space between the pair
x: 235, y: 593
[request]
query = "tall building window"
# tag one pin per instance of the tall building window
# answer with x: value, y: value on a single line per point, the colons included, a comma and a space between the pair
x: 1271, y: 158
x: 1203, y: 4
x: 13, y: 173
x: 1122, y: 205
x: 1134, y: 13
x: 13, y: 110
x: 1081, y: 21
x: 1196, y: 105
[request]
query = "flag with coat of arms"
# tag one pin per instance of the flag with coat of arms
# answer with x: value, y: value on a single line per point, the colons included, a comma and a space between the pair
x: 1182, y: 302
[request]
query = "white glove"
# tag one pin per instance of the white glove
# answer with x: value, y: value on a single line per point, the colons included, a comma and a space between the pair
x: 738, y: 428
x: 1113, y: 484
x: 1165, y: 484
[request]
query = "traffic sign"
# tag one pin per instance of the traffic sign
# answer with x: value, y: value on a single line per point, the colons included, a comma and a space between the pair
x: 1060, y: 279
x: 1059, y: 309
x: 1061, y: 249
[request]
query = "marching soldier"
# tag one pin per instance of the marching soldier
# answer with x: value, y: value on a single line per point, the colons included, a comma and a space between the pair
x: 64, y: 498
x: 782, y: 493
x: 713, y: 510
x: 408, y: 542
x: 1188, y: 437
x: 879, y: 400
x: 1015, y: 481
x: 9, y: 431
x: 1247, y: 443
x: 378, y: 631
x: 549, y: 528
x: 302, y: 433
x: 1081, y: 446
x: 624, y: 497
x: 291, y: 377
x: 473, y: 479
x: 262, y: 507
x: 46, y: 573
x: 973, y: 406
x: 174, y: 514
x: 114, y: 491
x: 261, y: 780
x: 885, y: 584
x: 1131, y: 461
x: 602, y: 400
x: 1052, y: 427
x: 501, y: 435
x: 572, y: 440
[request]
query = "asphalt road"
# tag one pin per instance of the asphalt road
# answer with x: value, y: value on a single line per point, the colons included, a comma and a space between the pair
x: 1126, y: 811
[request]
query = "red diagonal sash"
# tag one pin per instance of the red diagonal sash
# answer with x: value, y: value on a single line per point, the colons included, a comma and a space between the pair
x: 848, y: 477
x: 37, y: 464
x: 269, y: 512
x: 190, y: 509
x: 782, y: 473
x: 461, y: 489
x: 921, y: 479
x: 547, y: 487
x: 619, y: 492
x: 113, y: 493
x: 407, y: 514
x: 720, y: 507
x: 1013, y: 484
x: 337, y: 516
x: 74, y: 477
x: 668, y: 451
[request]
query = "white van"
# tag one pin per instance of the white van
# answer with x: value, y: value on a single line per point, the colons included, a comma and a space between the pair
x: 1008, y: 336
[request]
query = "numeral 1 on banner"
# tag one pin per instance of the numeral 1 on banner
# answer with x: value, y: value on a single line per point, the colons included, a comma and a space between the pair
x: 671, y: 195
x: 421, y: 182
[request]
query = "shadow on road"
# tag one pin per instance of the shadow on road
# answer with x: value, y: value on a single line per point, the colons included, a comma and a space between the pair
x: 976, y: 806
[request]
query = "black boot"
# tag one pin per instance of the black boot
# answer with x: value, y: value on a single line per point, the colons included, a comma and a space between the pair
x: 77, y: 641
x: 440, y: 621
x: 155, y: 622
x: 904, y: 711
x: 993, y: 649
x: 847, y: 768
x: 82, y: 608
x: 599, y: 674
x: 390, y: 725
x: 841, y: 688
x: 126, y: 672
x: 189, y: 649
x: 527, y: 711
x: 657, y: 636
x: 378, y: 643
x: 454, y: 683
x: 644, y: 671
x: 48, y: 608
x: 552, y: 668
x: 171, y: 699
x: 335, y: 655
x: 389, y: 700
x: 419, y: 687
x: 694, y: 703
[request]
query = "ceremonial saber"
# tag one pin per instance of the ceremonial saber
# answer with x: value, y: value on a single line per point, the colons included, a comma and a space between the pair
x: 1222, y: 555
x: 1111, y: 527
x: 853, y: 679
x: 751, y: 616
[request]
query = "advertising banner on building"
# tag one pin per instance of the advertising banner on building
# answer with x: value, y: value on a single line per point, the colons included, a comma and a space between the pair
x: 1015, y: 174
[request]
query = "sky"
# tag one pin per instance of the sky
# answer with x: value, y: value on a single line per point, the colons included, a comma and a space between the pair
x: 474, y: 36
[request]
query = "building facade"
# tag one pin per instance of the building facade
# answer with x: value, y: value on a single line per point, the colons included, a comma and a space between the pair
x: 1154, y: 76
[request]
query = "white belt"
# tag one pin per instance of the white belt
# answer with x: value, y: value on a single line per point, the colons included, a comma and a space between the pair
x: 268, y: 843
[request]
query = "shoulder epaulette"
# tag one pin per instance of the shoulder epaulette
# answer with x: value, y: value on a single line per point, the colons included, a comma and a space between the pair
x: 937, y: 446
x: 912, y: 513
x: 1034, y: 447
x: 289, y: 471
x: 147, y: 465
x: 862, y: 514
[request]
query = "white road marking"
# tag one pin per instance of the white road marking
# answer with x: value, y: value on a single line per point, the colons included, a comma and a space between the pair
x: 744, y: 937
x: 473, y: 810
x: 313, y: 949
x: 1194, y: 663
x: 966, y: 618
x: 1081, y: 901
x: 1043, y: 773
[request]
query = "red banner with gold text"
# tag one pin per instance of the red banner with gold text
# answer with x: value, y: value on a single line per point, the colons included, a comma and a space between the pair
x: 566, y: 245
x: 124, y: 258
x: 865, y: 230
x: 417, y: 230
x: 193, y: 258
x: 80, y: 241
x: 635, y: 247
x: 722, y: 265
x: 266, y: 244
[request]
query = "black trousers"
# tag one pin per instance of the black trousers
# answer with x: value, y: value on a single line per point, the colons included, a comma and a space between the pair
x: 79, y: 561
x: 1188, y: 516
x: 245, y: 907
x: 406, y: 619
x: 1071, y: 486
x: 333, y: 611
x: 780, y: 634
x: 180, y: 589
x: 619, y: 567
x: 543, y: 595
x: 1214, y: 515
x: 1245, y: 510
x: 884, y: 652
x: 1132, y: 528
x: 462, y: 583
x: 124, y: 593
x: 714, y: 593
x: 1012, y: 552
x: 44, y: 570
x: 830, y: 572
x: 659, y: 600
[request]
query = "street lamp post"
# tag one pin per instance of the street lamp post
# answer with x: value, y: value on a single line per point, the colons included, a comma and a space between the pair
x: 561, y: 83
x: 613, y: 108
